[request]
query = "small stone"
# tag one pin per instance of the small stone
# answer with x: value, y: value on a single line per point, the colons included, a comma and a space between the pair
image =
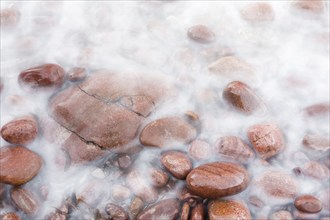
x: 281, y: 215
x: 243, y: 98
x: 316, y: 142
x: 124, y: 161
x: 90, y: 192
x: 116, y: 212
x: 201, y: 34
x: 198, y: 212
x: 20, y: 131
x: 10, y: 17
x: 166, y: 209
x: 120, y: 193
x: 258, y: 12
x: 24, y: 200
x: 185, y: 210
x: 136, y: 206
x: 318, y: 110
x: 313, y: 6
x: 267, y: 139
x: 177, y: 163
x: 199, y: 149
x: 158, y: 178
x: 217, y: 179
x: 77, y: 74
x: 50, y: 76
x: 315, y: 170
x: 308, y: 203
x: 235, y: 148
x: 18, y: 165
x: 228, y: 209
x: 167, y: 131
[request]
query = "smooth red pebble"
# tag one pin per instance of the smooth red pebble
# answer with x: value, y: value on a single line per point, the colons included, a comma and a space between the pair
x: 44, y: 76
x: 316, y: 142
x: 231, y: 66
x: 185, y: 210
x: 281, y: 215
x: 217, y: 179
x: 267, y: 139
x: 10, y: 216
x: 228, y: 209
x: 20, y: 131
x: 315, y: 170
x: 24, y: 200
x: 167, y: 131
x: 235, y: 148
x: 77, y: 74
x: 198, y: 212
x: 201, y: 33
x: 199, y: 149
x: 158, y: 177
x: 308, y: 203
x: 177, y: 163
x: 314, y: 6
x: 166, y: 209
x: 318, y: 109
x: 18, y: 165
x: 243, y: 98
x: 258, y: 12
x: 10, y: 17
x: 116, y: 212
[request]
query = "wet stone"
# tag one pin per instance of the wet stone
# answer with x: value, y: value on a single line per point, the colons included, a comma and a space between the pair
x: 177, y: 163
x: 124, y: 161
x: 235, y: 148
x: 217, y: 179
x: 281, y: 215
x: 158, y: 177
x: 198, y: 212
x: 120, y: 193
x: 267, y: 139
x: 167, y: 131
x: 185, y: 210
x: 199, y: 149
x: 18, y: 165
x: 318, y: 110
x: 46, y: 76
x: 20, y: 131
x: 24, y: 200
x: 228, y: 209
x: 136, y: 206
x: 165, y: 209
x: 77, y: 74
x: 243, y: 98
x: 116, y: 212
x: 308, y: 203
x: 201, y: 34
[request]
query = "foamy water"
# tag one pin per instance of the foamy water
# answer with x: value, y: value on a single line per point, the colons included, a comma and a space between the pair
x: 289, y: 55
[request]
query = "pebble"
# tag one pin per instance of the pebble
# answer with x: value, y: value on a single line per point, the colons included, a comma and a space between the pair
x: 158, y: 177
x: 316, y: 142
x: 198, y: 212
x: 315, y: 170
x: 281, y: 215
x: 308, y: 203
x: 24, y: 200
x: 200, y: 150
x: 116, y: 212
x: 166, y: 209
x: 120, y: 193
x: 217, y: 179
x: 318, y: 110
x: 258, y: 12
x: 185, y: 210
x: 177, y: 163
x: 50, y: 76
x: 77, y: 74
x: 167, y: 131
x: 136, y: 206
x: 228, y: 209
x: 267, y: 139
x: 235, y: 148
x: 240, y: 96
x: 21, y: 131
x: 201, y: 34
x: 18, y: 165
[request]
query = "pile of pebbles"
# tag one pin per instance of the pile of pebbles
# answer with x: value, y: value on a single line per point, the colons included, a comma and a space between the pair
x: 148, y: 164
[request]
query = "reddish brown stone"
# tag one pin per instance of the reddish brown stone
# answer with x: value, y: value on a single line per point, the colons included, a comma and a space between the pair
x: 308, y: 203
x: 228, y: 209
x: 281, y: 215
x: 318, y: 109
x: 21, y: 130
x: 120, y: 193
x: 10, y: 216
x: 167, y: 131
x: 24, y: 200
x: 199, y: 149
x: 18, y: 165
x: 316, y: 142
x: 77, y: 74
x: 235, y: 148
x: 185, y: 210
x: 45, y: 76
x: 116, y: 212
x: 198, y: 212
x: 314, y: 6
x: 136, y: 206
x: 177, y: 163
x: 217, y: 179
x: 315, y: 170
x: 258, y: 12
x: 166, y: 209
x: 243, y: 98
x: 158, y: 178
x: 201, y: 34
x: 267, y: 139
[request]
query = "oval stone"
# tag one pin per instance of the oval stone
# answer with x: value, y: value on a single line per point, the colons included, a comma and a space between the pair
x: 44, y: 76
x: 21, y: 130
x: 167, y: 209
x: 167, y: 131
x: 217, y: 179
x: 201, y: 33
x: 18, y: 165
x: 228, y: 209
x: 308, y: 203
x: 177, y: 163
x: 258, y: 12
x: 24, y: 200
